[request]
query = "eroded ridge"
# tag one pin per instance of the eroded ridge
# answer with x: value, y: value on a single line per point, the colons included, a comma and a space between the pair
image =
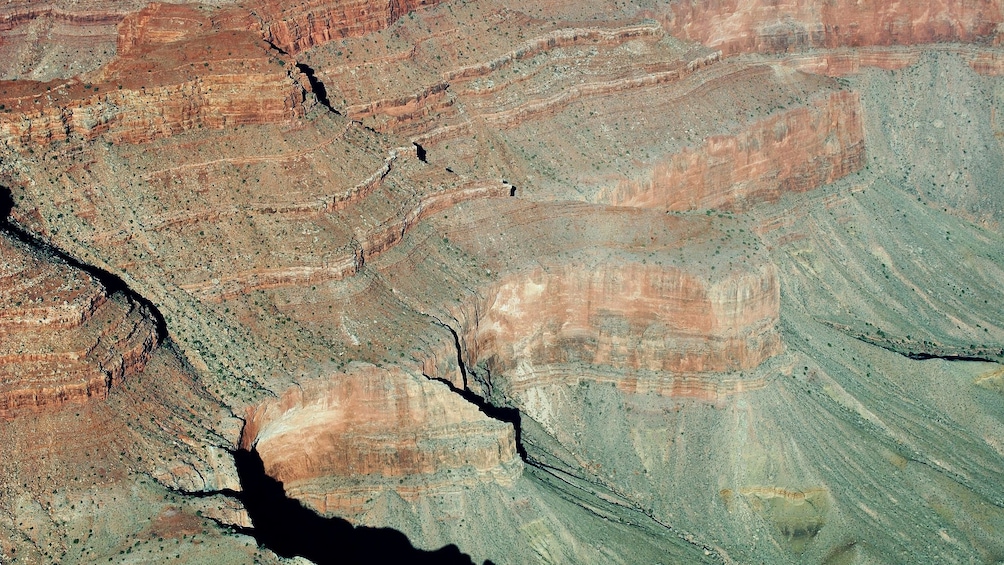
x: 65, y: 338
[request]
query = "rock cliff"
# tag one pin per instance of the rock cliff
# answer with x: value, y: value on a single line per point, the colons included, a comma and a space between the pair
x: 66, y: 337
x: 166, y: 78
x: 774, y: 27
x: 795, y: 151
x: 556, y: 282
x: 295, y: 27
x: 339, y: 444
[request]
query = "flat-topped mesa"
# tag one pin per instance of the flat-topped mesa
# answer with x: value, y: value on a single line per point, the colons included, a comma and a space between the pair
x: 295, y: 27
x: 620, y: 290
x: 792, y: 151
x: 636, y: 318
x: 63, y: 338
x: 174, y: 72
x: 340, y: 443
x: 777, y: 27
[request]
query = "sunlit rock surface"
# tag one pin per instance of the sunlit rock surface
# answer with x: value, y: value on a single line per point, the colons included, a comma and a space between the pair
x: 557, y: 282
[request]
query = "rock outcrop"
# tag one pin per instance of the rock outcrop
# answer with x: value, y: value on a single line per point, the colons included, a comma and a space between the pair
x: 628, y: 316
x: 175, y: 71
x: 295, y: 27
x: 341, y: 443
x: 59, y: 39
x: 795, y: 151
x: 65, y: 337
x: 778, y: 27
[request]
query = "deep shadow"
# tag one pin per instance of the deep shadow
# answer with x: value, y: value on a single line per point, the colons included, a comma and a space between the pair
x: 317, y: 86
x: 6, y: 204
x: 927, y: 356
x: 112, y: 282
x: 502, y: 413
x: 289, y: 529
x: 420, y: 152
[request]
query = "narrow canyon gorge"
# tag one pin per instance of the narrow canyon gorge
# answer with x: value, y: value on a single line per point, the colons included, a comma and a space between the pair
x: 426, y: 281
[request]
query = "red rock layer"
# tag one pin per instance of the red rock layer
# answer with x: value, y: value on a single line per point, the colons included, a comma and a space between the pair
x: 771, y: 27
x: 62, y: 337
x: 630, y: 316
x: 792, y: 151
x: 175, y: 72
x: 847, y: 62
x: 338, y: 442
x: 18, y: 14
x: 58, y: 38
x: 990, y: 62
x: 294, y: 27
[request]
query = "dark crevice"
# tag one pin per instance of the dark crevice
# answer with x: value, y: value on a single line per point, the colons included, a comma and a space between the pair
x: 501, y: 413
x: 420, y: 152
x: 112, y: 282
x: 460, y: 352
x: 317, y: 86
x: 921, y: 355
x: 6, y: 204
x: 276, y: 47
x: 289, y: 529
x: 926, y: 356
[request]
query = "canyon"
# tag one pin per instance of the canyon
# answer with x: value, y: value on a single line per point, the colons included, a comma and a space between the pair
x: 446, y: 281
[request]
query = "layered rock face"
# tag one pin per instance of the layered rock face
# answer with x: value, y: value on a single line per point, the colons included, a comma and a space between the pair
x: 342, y: 443
x: 736, y: 27
x: 49, y: 40
x: 629, y: 317
x: 65, y: 337
x: 295, y: 27
x: 793, y: 152
x: 176, y: 70
x: 557, y: 282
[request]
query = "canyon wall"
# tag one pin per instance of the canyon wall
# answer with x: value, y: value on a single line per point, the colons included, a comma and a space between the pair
x: 340, y: 443
x: 58, y: 40
x: 628, y: 316
x: 65, y: 338
x: 295, y: 27
x: 777, y: 27
x: 166, y: 79
x: 794, y: 151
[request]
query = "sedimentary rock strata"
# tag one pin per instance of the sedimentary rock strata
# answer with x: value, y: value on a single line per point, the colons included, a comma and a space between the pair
x: 795, y: 151
x: 65, y: 337
x: 780, y: 27
x: 341, y: 443
x: 299, y: 26
x: 166, y: 78
x: 557, y: 282
x: 58, y: 40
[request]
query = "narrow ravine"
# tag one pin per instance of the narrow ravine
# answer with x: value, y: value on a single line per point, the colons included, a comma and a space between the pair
x: 112, y: 282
